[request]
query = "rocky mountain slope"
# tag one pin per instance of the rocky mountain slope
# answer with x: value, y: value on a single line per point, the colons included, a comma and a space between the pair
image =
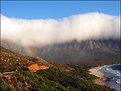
x: 74, y: 51
x: 89, y: 50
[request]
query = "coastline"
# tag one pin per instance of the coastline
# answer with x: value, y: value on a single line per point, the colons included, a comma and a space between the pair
x: 101, y: 77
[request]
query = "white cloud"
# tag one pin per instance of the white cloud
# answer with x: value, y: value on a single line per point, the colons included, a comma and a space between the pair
x: 81, y: 27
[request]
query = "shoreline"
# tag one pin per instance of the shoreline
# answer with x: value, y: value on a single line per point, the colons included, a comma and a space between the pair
x: 101, y: 77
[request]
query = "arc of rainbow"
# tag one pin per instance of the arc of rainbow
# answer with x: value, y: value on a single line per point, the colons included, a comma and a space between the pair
x: 30, y: 49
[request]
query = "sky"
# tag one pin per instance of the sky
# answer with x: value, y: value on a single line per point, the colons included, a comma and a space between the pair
x: 56, y: 9
x: 45, y: 23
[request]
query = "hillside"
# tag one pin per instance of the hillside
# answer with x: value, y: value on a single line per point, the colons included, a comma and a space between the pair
x: 14, y: 75
x: 14, y: 61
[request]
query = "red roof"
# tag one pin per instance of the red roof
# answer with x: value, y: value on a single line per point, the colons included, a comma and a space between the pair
x: 35, y: 67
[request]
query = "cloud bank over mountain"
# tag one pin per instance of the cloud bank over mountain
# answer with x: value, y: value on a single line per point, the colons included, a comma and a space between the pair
x: 49, y: 31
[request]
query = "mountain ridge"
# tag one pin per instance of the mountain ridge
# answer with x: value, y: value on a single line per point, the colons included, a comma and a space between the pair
x: 74, y: 51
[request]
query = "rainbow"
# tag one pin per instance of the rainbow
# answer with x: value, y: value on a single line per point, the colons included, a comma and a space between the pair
x: 30, y: 50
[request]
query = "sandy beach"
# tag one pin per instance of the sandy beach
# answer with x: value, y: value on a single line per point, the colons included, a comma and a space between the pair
x: 96, y: 71
x: 101, y: 77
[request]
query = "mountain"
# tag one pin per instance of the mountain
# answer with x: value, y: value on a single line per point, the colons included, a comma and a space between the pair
x: 13, y: 46
x: 15, y: 76
x: 89, y: 50
x: 75, y: 51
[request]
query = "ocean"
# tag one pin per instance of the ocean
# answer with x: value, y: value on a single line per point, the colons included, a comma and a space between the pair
x: 114, y: 73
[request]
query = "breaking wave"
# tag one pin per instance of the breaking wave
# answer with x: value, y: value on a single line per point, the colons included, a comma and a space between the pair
x: 114, y: 73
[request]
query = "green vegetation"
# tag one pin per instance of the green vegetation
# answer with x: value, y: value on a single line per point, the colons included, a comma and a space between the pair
x: 67, y: 78
x: 51, y: 79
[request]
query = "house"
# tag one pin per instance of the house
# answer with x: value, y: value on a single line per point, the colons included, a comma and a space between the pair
x: 43, y: 67
x: 35, y: 67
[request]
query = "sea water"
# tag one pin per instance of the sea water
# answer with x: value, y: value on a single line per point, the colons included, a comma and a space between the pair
x: 114, y: 73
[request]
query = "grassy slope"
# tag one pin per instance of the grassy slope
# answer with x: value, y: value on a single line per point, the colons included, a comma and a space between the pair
x: 52, y: 79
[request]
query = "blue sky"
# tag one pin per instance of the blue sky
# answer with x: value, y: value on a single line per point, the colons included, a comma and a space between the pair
x: 56, y: 9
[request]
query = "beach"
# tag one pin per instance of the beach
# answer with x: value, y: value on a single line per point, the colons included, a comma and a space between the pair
x: 101, y: 77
